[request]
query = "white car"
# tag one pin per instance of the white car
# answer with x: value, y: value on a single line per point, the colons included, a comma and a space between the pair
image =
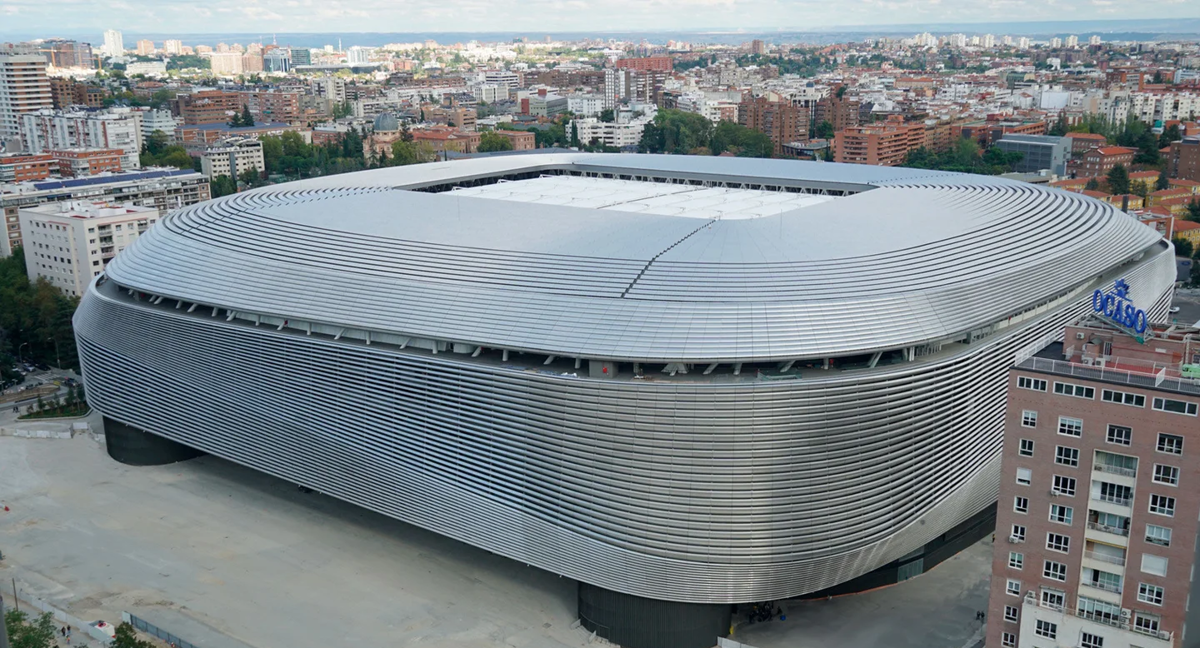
x: 1174, y: 309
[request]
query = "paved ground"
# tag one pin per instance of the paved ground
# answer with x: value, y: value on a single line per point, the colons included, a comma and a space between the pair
x: 1188, y: 302
x: 936, y: 609
x: 229, y: 558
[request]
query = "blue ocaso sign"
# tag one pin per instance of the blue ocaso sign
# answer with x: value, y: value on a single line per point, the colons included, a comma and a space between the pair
x: 1117, y: 307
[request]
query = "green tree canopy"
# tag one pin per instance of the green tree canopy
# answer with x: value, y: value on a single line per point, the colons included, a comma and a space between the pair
x: 823, y: 130
x: 606, y: 115
x: 222, y: 185
x: 489, y: 142
x: 26, y: 633
x: 1163, y: 182
x: 126, y: 637
x: 1183, y: 247
x: 1092, y: 185
x: 35, y: 316
x: 1118, y: 180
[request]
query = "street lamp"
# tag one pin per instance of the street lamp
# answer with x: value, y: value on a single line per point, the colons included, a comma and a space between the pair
x: 57, y: 359
x: 19, y: 358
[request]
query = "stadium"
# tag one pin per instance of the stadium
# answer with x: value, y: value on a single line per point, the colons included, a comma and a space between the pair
x: 686, y: 382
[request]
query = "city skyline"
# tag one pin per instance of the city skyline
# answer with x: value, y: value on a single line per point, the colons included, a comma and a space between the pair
x: 546, y: 16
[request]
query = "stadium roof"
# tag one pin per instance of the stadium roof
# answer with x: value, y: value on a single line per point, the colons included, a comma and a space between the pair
x: 722, y: 259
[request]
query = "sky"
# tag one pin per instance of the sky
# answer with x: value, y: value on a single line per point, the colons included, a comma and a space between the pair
x: 63, y: 17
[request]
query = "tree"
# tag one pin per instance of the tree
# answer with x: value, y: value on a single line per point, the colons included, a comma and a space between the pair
x: 155, y: 143
x: 1092, y: 185
x: 823, y: 130
x: 1170, y: 134
x: 222, y: 185
x: 250, y: 177
x: 489, y: 142
x: 24, y: 633
x: 1193, y: 210
x: 1183, y: 247
x: 606, y: 115
x: 1158, y: 77
x: 1163, y: 181
x: 1139, y: 188
x: 574, y: 134
x: 247, y: 118
x: 1118, y: 180
x: 126, y: 637
x: 1060, y: 126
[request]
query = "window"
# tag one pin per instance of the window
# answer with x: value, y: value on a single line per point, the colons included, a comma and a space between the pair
x: 1175, y: 406
x: 1155, y: 565
x: 1036, y: 384
x: 1162, y: 505
x: 1053, y: 598
x: 1061, y: 514
x: 1158, y: 535
x: 1008, y: 640
x: 1016, y: 560
x: 1010, y: 613
x: 1124, y: 398
x: 1018, y: 532
x: 1094, y: 610
x: 1066, y: 456
x: 1168, y: 475
x: 1146, y: 623
x: 1089, y: 640
x: 1028, y: 418
x: 1021, y: 504
x: 1026, y: 447
x: 1170, y: 443
x: 1070, y: 426
x: 1054, y: 570
x: 1013, y: 587
x: 1102, y: 580
x: 1064, y: 485
x: 1046, y: 629
x: 1024, y: 476
x: 1152, y: 594
x: 1078, y: 391
x: 1058, y: 542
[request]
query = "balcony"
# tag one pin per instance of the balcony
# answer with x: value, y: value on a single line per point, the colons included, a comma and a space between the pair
x: 1103, y: 586
x: 1096, y: 526
x: 1116, y: 470
x: 1113, y: 499
x: 1115, y: 560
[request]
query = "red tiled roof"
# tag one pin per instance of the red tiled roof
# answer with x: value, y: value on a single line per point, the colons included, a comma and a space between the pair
x: 1115, y: 150
x: 1086, y: 136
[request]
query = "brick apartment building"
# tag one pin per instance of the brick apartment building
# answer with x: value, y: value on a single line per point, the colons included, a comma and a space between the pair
x: 521, y: 140
x: 1097, y: 162
x: 66, y: 92
x: 989, y: 131
x: 80, y: 162
x: 209, y: 107
x: 840, y: 111
x: 1100, y: 493
x: 25, y: 167
x: 24, y: 88
x: 1183, y: 162
x: 882, y: 144
x: 660, y: 63
x: 1083, y: 142
x: 272, y: 105
x: 776, y: 116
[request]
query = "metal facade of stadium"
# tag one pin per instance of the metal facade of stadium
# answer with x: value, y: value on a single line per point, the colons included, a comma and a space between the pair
x: 697, y: 380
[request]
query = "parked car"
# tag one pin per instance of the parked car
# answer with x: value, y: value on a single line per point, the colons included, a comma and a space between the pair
x: 1174, y: 309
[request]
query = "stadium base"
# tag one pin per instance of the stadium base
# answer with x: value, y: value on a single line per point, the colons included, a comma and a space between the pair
x: 637, y: 622
x: 135, y: 447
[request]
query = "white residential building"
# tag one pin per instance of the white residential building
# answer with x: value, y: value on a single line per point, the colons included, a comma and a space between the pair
x: 114, y: 44
x: 69, y: 243
x: 586, y: 105
x: 158, y: 120
x: 147, y: 68
x: 233, y: 157
x: 115, y: 128
x: 610, y: 133
x: 502, y: 77
x: 490, y: 92
x: 173, y: 47
x: 226, y: 63
x: 358, y: 55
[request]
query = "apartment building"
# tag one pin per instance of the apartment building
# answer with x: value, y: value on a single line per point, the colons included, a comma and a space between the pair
x: 115, y: 128
x: 272, y: 105
x: 24, y: 88
x: 66, y: 92
x: 619, y: 135
x: 1100, y: 490
x: 882, y: 144
x: 658, y: 63
x: 776, y: 116
x: 233, y: 157
x: 25, y: 167
x: 69, y: 243
x: 1183, y: 161
x: 1100, y: 160
x: 209, y: 107
x: 521, y: 140
x: 81, y: 162
x: 162, y: 189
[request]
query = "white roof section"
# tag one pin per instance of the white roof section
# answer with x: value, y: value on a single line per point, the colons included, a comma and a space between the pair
x: 686, y: 201
x: 614, y: 268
